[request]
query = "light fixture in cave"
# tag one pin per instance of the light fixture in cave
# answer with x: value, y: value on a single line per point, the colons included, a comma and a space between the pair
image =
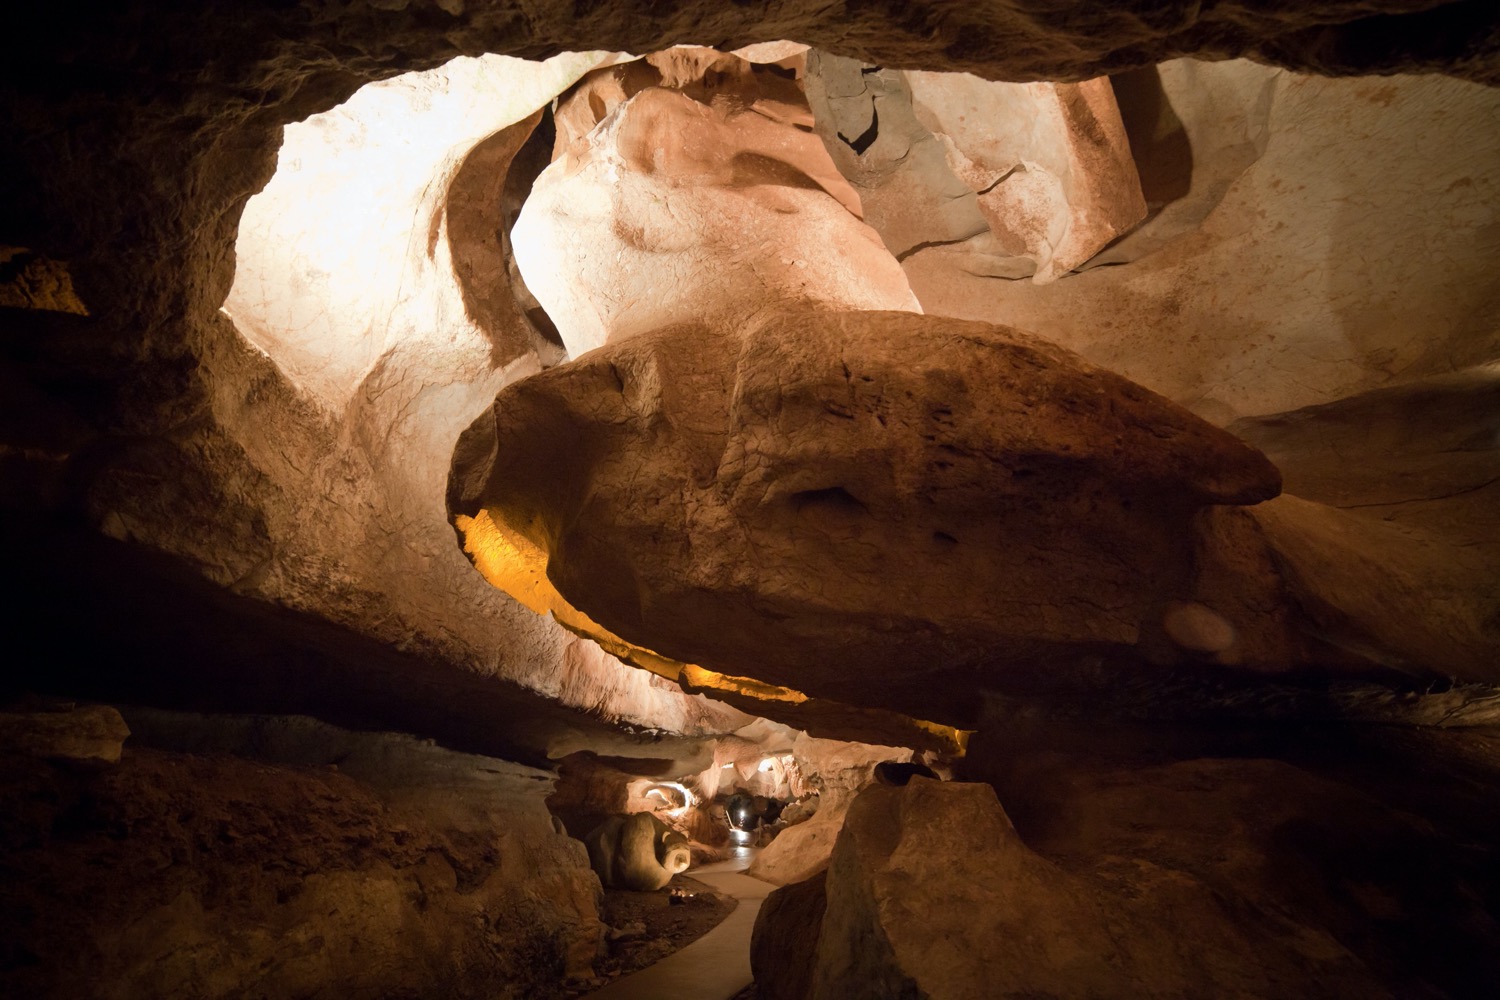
x: 677, y: 797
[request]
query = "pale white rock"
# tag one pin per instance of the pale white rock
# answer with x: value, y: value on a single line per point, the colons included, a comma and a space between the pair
x: 1197, y: 628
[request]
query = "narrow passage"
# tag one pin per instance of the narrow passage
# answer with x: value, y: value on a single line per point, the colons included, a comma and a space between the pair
x: 714, y: 967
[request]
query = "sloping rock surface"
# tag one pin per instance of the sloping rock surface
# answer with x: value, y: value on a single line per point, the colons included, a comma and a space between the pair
x: 674, y: 209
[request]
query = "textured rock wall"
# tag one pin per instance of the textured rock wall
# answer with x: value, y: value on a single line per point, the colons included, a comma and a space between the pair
x: 873, y: 507
x: 1178, y: 879
x: 401, y: 870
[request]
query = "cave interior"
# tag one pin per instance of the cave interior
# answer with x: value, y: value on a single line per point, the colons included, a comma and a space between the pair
x: 954, y: 501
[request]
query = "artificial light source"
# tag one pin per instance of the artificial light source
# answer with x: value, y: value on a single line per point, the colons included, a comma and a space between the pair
x: 662, y: 791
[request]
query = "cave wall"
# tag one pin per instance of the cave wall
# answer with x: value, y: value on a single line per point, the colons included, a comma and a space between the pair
x: 277, y: 855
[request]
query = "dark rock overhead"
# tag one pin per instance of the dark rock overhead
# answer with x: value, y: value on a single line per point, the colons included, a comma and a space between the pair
x: 857, y: 504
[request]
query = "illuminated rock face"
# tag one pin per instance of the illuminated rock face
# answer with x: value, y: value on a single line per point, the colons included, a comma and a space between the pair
x: 1305, y: 244
x: 674, y: 209
x: 860, y: 501
x: 999, y: 179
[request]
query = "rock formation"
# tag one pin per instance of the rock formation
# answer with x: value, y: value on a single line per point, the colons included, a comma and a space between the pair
x: 243, y: 331
x: 923, y: 497
x: 637, y: 852
x: 931, y: 892
x: 1000, y: 179
x: 673, y: 209
x: 239, y: 858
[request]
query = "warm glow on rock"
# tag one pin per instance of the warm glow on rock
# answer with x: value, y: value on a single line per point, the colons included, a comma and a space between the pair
x: 511, y: 561
x: 343, y: 257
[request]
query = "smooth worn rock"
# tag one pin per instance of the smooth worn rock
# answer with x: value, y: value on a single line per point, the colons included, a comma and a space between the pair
x: 674, y: 209
x: 1050, y: 163
x: 837, y: 772
x: 870, y: 501
x: 783, y: 947
x: 1376, y: 841
x: 1291, y: 262
x: 637, y: 852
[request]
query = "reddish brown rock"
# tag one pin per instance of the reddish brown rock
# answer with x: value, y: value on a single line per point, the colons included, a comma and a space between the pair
x: 932, y: 893
x: 404, y: 870
x: 842, y: 502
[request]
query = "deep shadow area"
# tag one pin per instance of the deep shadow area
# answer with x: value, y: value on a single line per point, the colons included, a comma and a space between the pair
x: 1384, y: 836
x: 97, y: 619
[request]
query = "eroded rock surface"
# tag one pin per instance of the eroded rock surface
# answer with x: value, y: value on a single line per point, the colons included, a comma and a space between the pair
x: 1290, y: 259
x: 932, y: 892
x: 1002, y: 179
x: 89, y: 734
x: 828, y: 494
x: 674, y: 209
x: 836, y: 772
x: 404, y: 870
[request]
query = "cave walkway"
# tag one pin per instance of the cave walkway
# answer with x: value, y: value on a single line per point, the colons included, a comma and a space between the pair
x: 714, y: 967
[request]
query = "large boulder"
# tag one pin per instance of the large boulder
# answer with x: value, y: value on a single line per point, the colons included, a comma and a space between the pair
x: 637, y: 852
x: 931, y: 893
x: 855, y: 504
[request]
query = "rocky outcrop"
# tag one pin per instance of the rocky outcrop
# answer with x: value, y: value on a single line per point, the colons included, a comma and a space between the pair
x: 822, y: 496
x: 1226, y: 305
x: 637, y: 852
x: 153, y: 420
x: 402, y: 870
x: 931, y: 892
x: 836, y: 772
x: 784, y: 944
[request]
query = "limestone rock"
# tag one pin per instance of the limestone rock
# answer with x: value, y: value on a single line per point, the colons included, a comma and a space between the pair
x: 1050, y: 162
x: 672, y: 210
x: 1392, y: 540
x: 92, y: 734
x: 637, y: 852
x: 195, y: 872
x: 932, y: 893
x: 907, y: 190
x: 1399, y: 595
x: 1197, y: 628
x: 1378, y: 843
x: 799, y: 852
x: 1229, y: 306
x: 783, y: 946
x: 825, y: 496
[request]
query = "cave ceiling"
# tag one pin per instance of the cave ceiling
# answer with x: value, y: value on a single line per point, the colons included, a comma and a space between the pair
x: 1190, y: 367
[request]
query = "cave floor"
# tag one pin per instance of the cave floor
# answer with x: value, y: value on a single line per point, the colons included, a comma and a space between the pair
x: 717, y: 965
